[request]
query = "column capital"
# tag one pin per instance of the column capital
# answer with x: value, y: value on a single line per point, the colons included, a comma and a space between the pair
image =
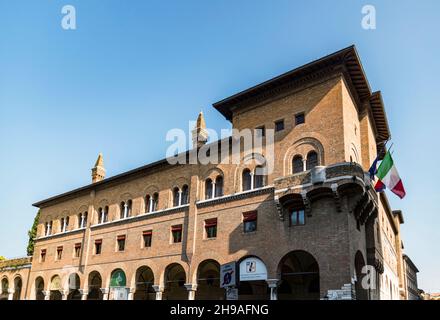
x: 190, y: 286
x: 83, y: 291
x: 273, y: 283
x: 158, y: 288
x: 131, y: 290
x: 105, y: 290
x: 11, y: 291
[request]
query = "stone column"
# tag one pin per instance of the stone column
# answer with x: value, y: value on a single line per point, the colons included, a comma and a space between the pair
x: 84, y: 293
x: 159, y: 291
x: 46, y: 295
x: 11, y: 294
x: 273, y: 285
x: 151, y: 205
x: 252, y: 181
x: 180, y: 198
x: 64, y: 294
x: 213, y: 190
x: 105, y: 292
x: 131, y: 293
x: 192, y: 288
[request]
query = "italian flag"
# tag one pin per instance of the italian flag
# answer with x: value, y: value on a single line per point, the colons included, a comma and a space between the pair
x: 388, y: 177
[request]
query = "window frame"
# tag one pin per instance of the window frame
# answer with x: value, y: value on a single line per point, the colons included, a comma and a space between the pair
x: 297, y: 210
x: 277, y: 123
x: 297, y: 115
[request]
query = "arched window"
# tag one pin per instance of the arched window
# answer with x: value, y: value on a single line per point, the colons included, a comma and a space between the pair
x: 259, y: 177
x: 129, y: 208
x: 176, y: 197
x: 297, y: 164
x: 82, y: 220
x: 312, y: 160
x: 103, y: 215
x: 64, y: 224
x: 48, y: 230
x: 246, y: 180
x: 5, y: 287
x: 219, y: 186
x: 208, y: 189
x: 185, y: 194
x: 122, y: 210
x: 155, y: 202
x: 148, y: 200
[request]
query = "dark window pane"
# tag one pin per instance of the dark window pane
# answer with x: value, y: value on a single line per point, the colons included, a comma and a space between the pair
x: 246, y: 180
x: 279, y: 125
x: 297, y: 164
x: 299, y: 118
x: 301, y: 218
x: 250, y: 226
x: 312, y: 160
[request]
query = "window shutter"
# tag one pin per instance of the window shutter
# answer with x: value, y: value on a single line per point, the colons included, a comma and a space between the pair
x: 249, y: 216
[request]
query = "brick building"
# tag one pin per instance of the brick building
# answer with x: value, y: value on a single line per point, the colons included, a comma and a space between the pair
x: 307, y: 228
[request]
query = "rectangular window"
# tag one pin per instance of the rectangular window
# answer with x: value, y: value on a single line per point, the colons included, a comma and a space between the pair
x: 121, y: 243
x: 177, y: 233
x: 98, y: 246
x: 297, y: 218
x: 148, y: 237
x: 260, y: 131
x: 43, y: 255
x: 59, y: 253
x: 279, y: 125
x: 77, y: 250
x: 300, y: 118
x: 250, y: 221
x: 211, y: 228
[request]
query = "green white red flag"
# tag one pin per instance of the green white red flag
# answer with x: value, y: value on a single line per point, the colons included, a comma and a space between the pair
x: 388, y: 177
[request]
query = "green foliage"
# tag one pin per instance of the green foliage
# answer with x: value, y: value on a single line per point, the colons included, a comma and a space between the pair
x: 32, y: 233
x: 2, y: 258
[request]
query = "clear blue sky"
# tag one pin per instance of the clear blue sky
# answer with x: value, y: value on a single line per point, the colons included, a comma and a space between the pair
x: 134, y: 69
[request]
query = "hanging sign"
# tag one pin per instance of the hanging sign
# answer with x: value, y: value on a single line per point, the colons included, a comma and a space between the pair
x: 118, y: 279
x: 228, y: 275
x: 252, y: 269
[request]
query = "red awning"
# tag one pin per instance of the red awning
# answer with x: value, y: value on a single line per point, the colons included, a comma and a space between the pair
x: 210, y: 222
x: 249, y: 216
x: 176, y: 228
x: 121, y: 237
x: 147, y: 233
x: 99, y: 241
x: 77, y: 245
x: 43, y: 251
x: 60, y: 248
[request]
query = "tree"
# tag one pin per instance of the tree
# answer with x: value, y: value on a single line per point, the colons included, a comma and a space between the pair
x: 2, y: 258
x: 32, y: 233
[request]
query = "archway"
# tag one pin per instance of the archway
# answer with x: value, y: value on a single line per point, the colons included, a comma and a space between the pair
x: 253, y: 276
x: 299, y: 275
x: 144, y: 284
x: 118, y: 285
x: 359, y: 263
x: 208, y: 281
x: 74, y: 286
x: 39, y: 288
x: 95, y: 285
x: 55, y: 288
x: 5, y: 287
x: 18, y: 284
x: 175, y: 278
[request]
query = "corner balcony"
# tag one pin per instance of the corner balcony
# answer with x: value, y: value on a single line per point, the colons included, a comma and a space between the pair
x: 334, y: 181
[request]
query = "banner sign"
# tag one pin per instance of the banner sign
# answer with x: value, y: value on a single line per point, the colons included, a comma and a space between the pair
x: 228, y: 275
x: 252, y: 269
x: 231, y: 294
x: 120, y: 293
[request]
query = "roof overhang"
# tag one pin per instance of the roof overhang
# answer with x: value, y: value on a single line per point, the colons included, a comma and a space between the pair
x: 347, y: 58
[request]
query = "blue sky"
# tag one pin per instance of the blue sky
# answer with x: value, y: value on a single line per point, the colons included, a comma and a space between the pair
x: 134, y: 69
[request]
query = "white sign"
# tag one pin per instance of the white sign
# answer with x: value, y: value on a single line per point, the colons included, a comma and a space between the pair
x: 252, y: 269
x: 228, y: 276
x: 120, y: 293
x: 231, y: 294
